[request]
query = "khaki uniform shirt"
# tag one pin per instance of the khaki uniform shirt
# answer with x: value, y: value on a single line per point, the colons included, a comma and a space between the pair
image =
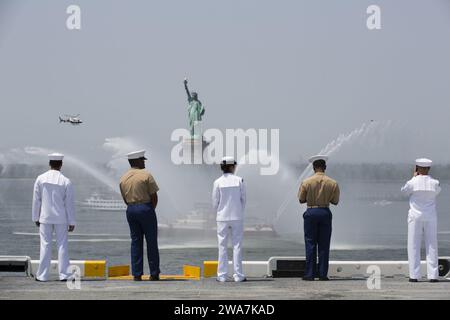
x: 319, y: 191
x: 136, y: 186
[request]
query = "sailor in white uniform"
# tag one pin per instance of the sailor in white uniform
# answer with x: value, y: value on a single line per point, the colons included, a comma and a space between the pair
x: 422, y: 220
x: 228, y: 199
x: 53, y: 210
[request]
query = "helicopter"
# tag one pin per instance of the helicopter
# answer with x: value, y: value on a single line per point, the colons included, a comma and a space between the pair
x: 75, y: 120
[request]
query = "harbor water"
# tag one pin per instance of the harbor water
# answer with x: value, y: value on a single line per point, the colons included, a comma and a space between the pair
x: 369, y: 224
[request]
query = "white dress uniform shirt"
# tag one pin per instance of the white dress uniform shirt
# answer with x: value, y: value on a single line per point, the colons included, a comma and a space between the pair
x: 422, y: 190
x: 229, y: 197
x: 53, y: 199
x: 422, y: 222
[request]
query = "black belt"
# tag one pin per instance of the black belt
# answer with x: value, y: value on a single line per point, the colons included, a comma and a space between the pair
x: 136, y: 203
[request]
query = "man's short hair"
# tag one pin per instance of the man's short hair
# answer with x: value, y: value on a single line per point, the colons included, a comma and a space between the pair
x: 423, y: 168
x: 134, y: 162
x: 55, y: 163
x: 226, y: 168
x: 320, y: 164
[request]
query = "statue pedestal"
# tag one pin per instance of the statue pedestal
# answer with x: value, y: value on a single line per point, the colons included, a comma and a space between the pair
x: 193, y: 149
x: 198, y: 130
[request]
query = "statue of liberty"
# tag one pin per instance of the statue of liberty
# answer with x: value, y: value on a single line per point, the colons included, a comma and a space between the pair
x: 195, y: 111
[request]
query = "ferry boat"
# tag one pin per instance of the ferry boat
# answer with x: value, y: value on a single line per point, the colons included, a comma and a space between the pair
x: 201, y: 221
x: 97, y: 203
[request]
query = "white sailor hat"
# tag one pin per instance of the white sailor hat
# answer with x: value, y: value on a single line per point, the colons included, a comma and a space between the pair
x: 228, y: 160
x: 318, y: 157
x: 55, y: 157
x: 423, y: 162
x: 136, y: 155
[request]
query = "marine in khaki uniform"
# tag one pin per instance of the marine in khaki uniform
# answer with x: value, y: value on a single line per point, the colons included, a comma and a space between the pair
x: 318, y: 192
x: 139, y: 192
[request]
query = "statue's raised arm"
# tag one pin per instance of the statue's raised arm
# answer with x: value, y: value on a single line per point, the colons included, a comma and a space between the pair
x: 187, y: 89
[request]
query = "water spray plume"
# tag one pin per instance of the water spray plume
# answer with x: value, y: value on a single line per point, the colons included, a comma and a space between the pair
x: 331, y: 148
x: 110, y: 183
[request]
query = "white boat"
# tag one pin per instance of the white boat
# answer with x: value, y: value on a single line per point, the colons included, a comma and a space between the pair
x: 98, y: 203
x: 202, y: 220
x: 195, y: 220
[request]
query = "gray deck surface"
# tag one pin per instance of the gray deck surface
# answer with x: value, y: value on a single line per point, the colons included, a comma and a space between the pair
x: 19, y: 287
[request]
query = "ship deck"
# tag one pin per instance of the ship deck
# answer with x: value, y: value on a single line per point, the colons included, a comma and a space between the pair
x: 15, y: 287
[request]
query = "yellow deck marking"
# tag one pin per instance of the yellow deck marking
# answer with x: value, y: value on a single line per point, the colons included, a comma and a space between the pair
x: 210, y: 268
x: 95, y: 268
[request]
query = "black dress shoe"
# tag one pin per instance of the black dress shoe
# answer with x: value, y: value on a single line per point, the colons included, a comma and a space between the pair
x: 412, y: 280
x: 63, y: 280
x: 308, y: 279
x: 324, y: 279
x: 434, y: 280
x: 137, y: 278
x: 154, y: 278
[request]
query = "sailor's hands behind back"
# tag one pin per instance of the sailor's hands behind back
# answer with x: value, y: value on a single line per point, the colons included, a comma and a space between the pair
x: 71, y: 228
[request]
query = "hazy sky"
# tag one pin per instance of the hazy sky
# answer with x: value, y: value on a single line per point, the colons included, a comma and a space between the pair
x: 310, y: 68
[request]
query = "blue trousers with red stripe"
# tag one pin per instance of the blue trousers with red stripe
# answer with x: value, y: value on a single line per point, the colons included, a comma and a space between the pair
x: 317, y: 231
x: 143, y: 224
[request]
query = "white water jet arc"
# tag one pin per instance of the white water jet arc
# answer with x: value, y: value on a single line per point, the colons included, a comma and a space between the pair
x: 331, y: 148
x: 107, y: 181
